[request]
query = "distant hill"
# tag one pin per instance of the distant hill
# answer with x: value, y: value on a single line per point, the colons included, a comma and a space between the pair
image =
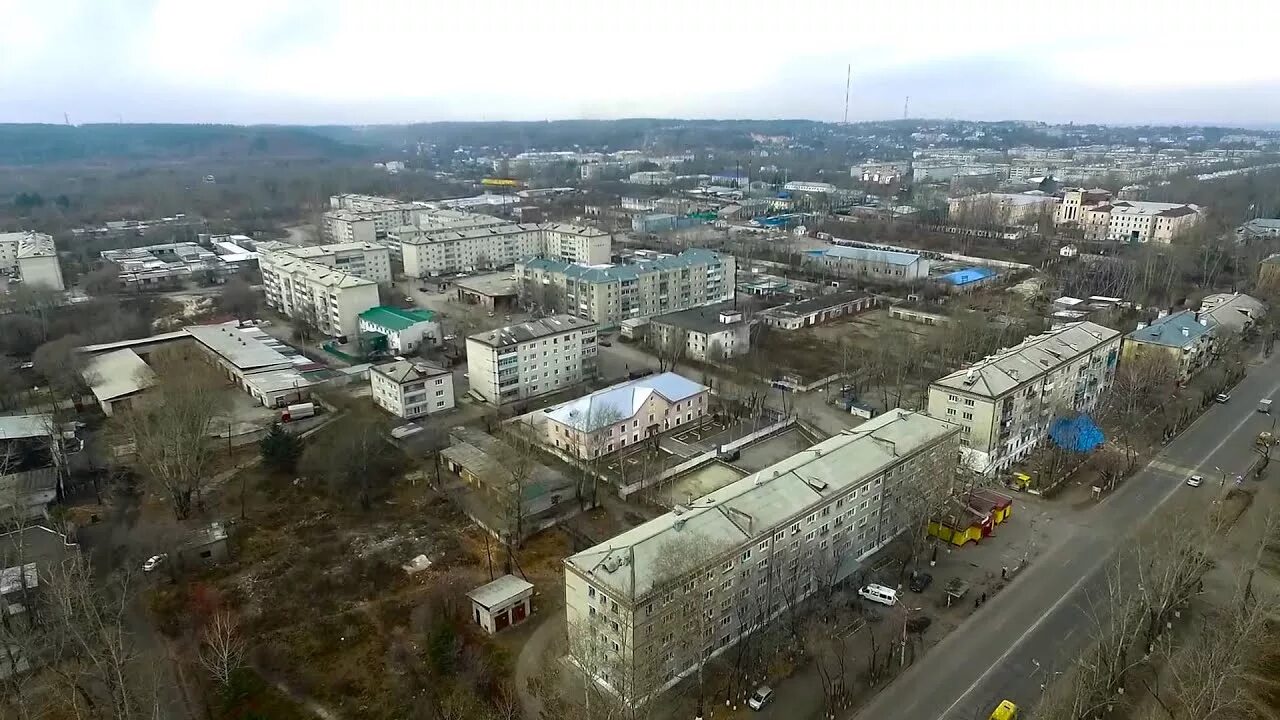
x: 45, y: 144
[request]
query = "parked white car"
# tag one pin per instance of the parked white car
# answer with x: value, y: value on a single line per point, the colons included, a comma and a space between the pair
x: 879, y: 594
x: 154, y: 561
x: 760, y: 697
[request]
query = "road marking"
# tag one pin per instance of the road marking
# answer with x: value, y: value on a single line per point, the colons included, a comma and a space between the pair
x: 1094, y: 568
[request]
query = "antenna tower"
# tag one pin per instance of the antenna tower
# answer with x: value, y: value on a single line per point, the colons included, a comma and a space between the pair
x: 905, y: 104
x: 848, y: 77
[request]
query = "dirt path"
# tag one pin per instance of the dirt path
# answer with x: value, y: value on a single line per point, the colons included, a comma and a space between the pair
x: 531, y: 657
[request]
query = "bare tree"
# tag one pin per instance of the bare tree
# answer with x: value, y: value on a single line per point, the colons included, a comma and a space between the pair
x: 171, y: 433
x: 239, y: 299
x: 222, y: 647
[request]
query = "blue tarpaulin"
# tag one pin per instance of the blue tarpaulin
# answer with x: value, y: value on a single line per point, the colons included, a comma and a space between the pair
x: 1077, y: 434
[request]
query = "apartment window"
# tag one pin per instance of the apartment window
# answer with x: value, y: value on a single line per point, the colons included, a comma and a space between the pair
x: 795, y: 529
x: 967, y: 416
x: 710, y: 593
x: 953, y: 398
x: 777, y: 537
x: 764, y: 546
x: 726, y: 585
x: 809, y: 535
x: 746, y: 555
x: 951, y: 411
x: 591, y: 592
x: 968, y: 402
x: 727, y: 566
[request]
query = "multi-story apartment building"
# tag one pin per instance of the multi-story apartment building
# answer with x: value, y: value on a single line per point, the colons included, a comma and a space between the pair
x: 1186, y: 338
x: 432, y: 252
x: 346, y: 226
x: 348, y: 219
x: 329, y: 298
x: 367, y: 260
x: 1005, y: 403
x: 650, y: 285
x: 411, y: 389
x: 647, y: 607
x: 31, y: 257
x: 530, y: 359
x: 624, y: 415
x: 1100, y: 218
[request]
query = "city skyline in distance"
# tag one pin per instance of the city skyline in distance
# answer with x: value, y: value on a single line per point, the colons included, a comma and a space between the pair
x: 330, y: 62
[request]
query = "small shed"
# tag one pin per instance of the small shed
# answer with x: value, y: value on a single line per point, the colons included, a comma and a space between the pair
x: 502, y: 603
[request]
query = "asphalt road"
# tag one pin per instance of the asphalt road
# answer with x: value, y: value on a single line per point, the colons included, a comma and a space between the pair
x: 1014, y: 644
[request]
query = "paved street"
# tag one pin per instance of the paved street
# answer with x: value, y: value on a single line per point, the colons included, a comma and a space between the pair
x: 1010, y: 647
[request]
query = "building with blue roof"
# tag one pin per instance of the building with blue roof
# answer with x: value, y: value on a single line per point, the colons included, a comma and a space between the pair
x: 968, y: 278
x: 624, y: 415
x: 651, y: 284
x: 1184, y: 337
x: 872, y: 264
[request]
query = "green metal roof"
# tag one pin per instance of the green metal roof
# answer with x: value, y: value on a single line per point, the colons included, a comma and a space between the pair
x: 394, y: 318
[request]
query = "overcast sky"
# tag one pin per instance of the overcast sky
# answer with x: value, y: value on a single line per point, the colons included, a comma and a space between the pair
x: 396, y: 61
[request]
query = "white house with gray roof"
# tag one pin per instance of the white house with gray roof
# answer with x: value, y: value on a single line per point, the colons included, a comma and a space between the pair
x: 645, y: 606
x: 518, y: 362
x: 888, y: 266
x: 624, y: 415
x: 1005, y: 403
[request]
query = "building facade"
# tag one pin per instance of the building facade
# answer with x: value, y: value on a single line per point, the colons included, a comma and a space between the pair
x: 646, y: 607
x: 710, y: 333
x: 411, y: 389
x: 1001, y: 209
x: 815, y: 311
x: 1004, y: 404
x: 651, y: 285
x: 430, y: 252
x: 363, y: 259
x: 405, y: 330
x: 330, y: 299
x: 1101, y: 218
x: 535, y: 358
x: 625, y: 415
x: 889, y: 266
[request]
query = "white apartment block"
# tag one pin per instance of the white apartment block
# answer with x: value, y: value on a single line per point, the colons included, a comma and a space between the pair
x: 411, y: 389
x: 654, y: 285
x: 427, y: 253
x: 363, y: 259
x: 1005, y: 403
x: 530, y: 359
x: 645, y: 606
x: 346, y: 226
x: 1001, y: 209
x: 625, y: 415
x: 386, y: 214
x: 33, y: 258
x: 1101, y: 218
x: 330, y: 298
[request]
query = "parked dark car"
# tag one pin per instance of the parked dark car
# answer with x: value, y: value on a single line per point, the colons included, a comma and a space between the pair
x: 920, y: 581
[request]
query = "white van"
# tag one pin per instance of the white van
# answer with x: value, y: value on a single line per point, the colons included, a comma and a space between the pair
x: 880, y: 594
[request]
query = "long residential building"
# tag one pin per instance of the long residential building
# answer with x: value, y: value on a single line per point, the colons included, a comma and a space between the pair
x: 648, y: 286
x: 518, y: 362
x: 644, y: 607
x: 1005, y: 403
x: 323, y: 295
x: 367, y: 218
x: 364, y: 259
x: 429, y: 252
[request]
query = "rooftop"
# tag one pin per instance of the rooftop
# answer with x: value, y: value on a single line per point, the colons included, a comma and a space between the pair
x: 700, y: 319
x: 1231, y: 310
x: 403, y: 371
x: 117, y: 373
x: 25, y: 426
x: 322, y: 274
x: 1177, y: 330
x: 314, y: 251
x: 813, y: 305
x: 967, y: 276
x: 1007, y: 369
x: 245, y: 348
x: 890, y: 257
x: 532, y: 330
x: 491, y: 285
x: 622, y: 401
x: 610, y: 273
x: 502, y: 590
x: 396, y: 319
x: 35, y: 244
x: 634, y: 563
x: 486, y: 458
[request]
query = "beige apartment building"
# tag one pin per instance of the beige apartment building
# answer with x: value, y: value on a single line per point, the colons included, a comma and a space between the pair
x: 1005, y: 403
x: 350, y: 217
x: 624, y: 415
x: 330, y: 298
x: 430, y: 252
x: 364, y: 259
x: 1100, y: 218
x: 535, y: 358
x: 609, y: 294
x: 647, y: 607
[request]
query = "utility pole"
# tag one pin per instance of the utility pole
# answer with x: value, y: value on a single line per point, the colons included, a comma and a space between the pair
x: 848, y: 78
x: 905, y: 104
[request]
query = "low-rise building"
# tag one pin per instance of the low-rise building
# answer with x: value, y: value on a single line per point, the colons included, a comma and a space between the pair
x: 270, y: 371
x: 117, y: 379
x: 881, y: 173
x: 1001, y: 209
x: 1140, y: 222
x: 652, y: 284
x: 888, y: 266
x: 652, y: 177
x: 710, y: 333
x: 1259, y: 228
x: 405, y: 330
x: 496, y: 291
x: 1269, y: 272
x: 34, y: 257
x: 411, y: 389
x: 328, y: 298
x: 518, y: 362
x: 1184, y: 337
x: 648, y: 605
x: 498, y: 605
x: 624, y: 415
x: 1005, y: 403
x: 32, y: 466
x: 1231, y: 313
x: 815, y: 311
x: 660, y: 222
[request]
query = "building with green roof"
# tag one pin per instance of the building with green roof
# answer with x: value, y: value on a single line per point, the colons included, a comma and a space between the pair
x: 405, y: 329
